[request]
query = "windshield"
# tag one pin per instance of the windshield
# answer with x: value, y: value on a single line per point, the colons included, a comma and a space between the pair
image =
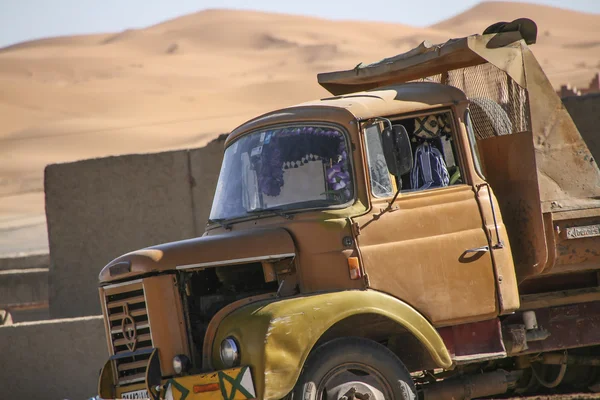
x: 291, y: 167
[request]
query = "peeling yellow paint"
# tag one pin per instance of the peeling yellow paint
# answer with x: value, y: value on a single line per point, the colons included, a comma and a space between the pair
x: 276, y: 357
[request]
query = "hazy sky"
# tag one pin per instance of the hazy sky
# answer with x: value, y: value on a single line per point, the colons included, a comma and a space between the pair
x: 22, y: 20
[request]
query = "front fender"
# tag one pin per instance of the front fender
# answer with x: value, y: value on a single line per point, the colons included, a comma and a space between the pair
x: 276, y: 336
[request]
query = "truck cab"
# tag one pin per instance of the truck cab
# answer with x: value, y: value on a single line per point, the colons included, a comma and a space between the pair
x: 366, y: 244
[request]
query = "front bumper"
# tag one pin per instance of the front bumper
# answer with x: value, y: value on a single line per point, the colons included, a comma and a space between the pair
x: 229, y: 384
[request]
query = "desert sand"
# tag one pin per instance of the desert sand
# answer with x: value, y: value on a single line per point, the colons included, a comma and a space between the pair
x: 180, y: 83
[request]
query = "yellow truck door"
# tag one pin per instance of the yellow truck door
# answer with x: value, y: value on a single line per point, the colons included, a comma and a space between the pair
x: 429, y: 250
x: 435, y: 246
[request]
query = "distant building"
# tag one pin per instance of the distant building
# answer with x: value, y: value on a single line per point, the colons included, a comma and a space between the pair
x: 568, y: 90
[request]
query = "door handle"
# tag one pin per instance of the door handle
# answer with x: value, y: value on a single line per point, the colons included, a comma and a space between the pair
x: 482, y: 249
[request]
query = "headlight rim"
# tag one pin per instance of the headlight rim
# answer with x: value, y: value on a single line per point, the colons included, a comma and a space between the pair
x: 184, y: 363
x: 234, y: 347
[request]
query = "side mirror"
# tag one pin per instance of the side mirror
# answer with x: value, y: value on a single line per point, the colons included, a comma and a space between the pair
x: 397, y: 150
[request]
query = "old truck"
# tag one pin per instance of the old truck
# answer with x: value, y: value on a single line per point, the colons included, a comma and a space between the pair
x: 431, y: 229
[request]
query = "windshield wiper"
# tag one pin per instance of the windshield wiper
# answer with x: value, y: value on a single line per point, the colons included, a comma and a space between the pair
x: 276, y: 211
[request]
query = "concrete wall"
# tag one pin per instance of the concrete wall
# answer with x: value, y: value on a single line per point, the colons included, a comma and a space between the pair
x: 24, y: 287
x: 24, y: 261
x: 585, y: 111
x: 99, y: 209
x: 52, y: 360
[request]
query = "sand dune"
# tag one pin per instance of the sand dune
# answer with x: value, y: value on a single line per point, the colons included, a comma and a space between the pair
x: 182, y: 82
x: 548, y: 18
x: 567, y: 46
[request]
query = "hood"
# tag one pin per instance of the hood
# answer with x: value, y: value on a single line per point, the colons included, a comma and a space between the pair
x: 223, y: 249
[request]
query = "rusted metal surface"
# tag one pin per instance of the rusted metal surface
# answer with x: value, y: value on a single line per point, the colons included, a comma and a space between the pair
x: 474, y: 341
x: 511, y: 171
x: 577, y: 244
x: 550, y: 240
x: 578, y: 232
x: 560, y: 298
x: 547, y: 283
x: 516, y: 338
x: 569, y: 176
x: 425, y: 60
x: 570, y: 326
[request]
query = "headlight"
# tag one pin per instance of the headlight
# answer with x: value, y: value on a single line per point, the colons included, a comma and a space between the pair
x: 181, y: 363
x: 230, y: 354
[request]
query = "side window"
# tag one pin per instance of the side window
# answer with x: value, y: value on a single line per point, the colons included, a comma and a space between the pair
x: 381, y: 183
x: 435, y: 156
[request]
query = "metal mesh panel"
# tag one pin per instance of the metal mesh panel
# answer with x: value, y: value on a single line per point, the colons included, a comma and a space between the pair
x: 499, y: 105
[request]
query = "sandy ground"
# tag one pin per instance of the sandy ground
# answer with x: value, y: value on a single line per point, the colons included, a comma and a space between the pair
x: 180, y: 83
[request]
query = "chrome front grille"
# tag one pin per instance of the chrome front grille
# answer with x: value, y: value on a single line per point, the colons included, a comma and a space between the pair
x: 130, y: 333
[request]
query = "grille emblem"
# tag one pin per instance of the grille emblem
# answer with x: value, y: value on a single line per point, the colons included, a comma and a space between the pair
x: 128, y: 328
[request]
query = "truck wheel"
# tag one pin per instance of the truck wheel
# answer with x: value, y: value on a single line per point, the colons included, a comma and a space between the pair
x: 353, y: 368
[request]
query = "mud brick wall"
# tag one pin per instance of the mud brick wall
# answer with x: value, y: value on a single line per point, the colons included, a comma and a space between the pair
x: 24, y: 286
x: 99, y: 209
x: 55, y: 359
x: 24, y: 261
x: 585, y: 111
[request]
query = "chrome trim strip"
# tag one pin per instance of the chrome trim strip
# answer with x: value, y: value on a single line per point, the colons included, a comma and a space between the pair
x: 107, y: 327
x: 143, y: 326
x: 115, y: 285
x: 147, y: 313
x: 128, y: 381
x: 236, y: 261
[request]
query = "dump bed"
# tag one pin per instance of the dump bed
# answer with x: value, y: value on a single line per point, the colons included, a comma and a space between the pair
x: 540, y: 168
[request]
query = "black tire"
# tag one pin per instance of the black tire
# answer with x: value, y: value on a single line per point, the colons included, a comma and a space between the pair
x: 354, y: 353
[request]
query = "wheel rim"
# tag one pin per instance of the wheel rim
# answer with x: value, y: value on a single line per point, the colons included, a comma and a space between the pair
x: 365, y: 379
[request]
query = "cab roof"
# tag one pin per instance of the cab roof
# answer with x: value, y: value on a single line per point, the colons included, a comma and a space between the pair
x: 390, y: 100
x: 394, y: 99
